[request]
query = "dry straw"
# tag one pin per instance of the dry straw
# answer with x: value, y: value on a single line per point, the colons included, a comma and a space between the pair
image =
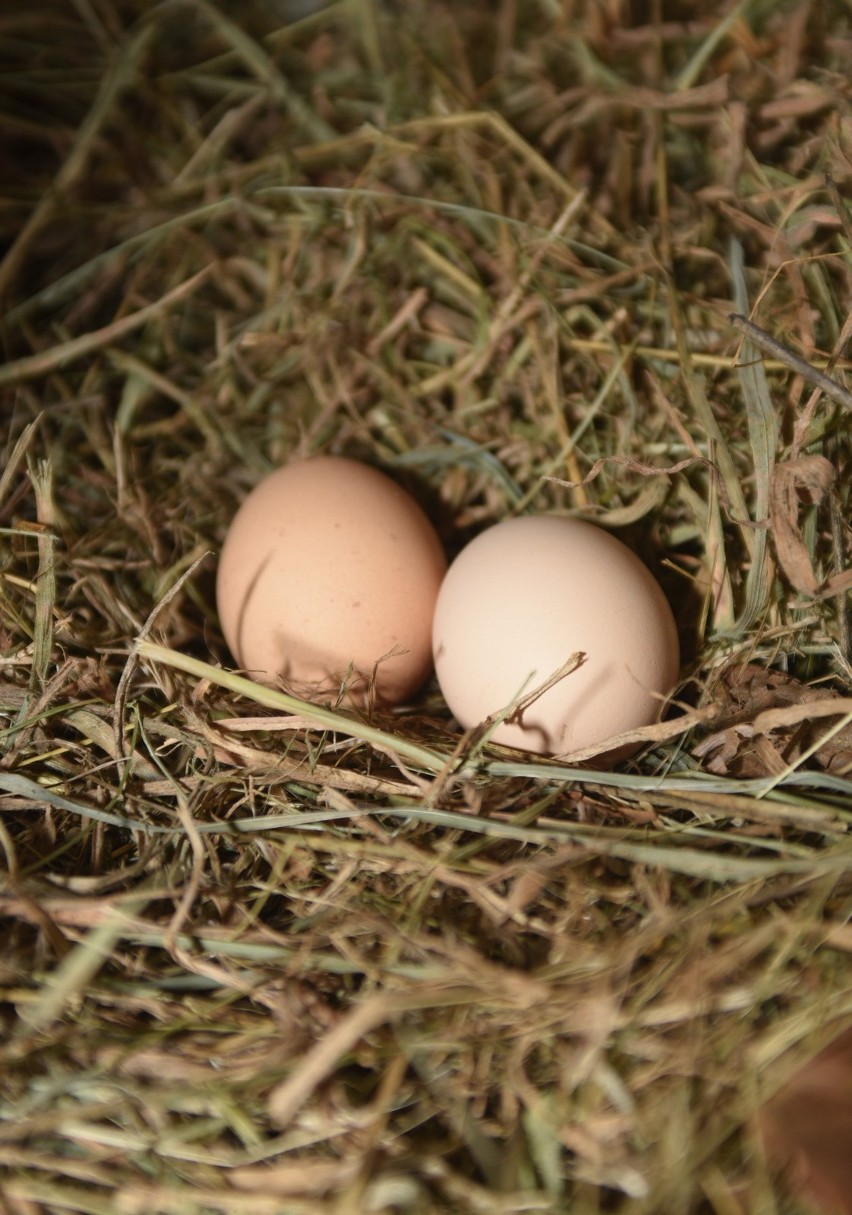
x: 271, y: 957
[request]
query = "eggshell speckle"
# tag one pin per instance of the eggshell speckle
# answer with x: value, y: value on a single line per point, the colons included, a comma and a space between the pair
x: 329, y: 575
x: 523, y: 597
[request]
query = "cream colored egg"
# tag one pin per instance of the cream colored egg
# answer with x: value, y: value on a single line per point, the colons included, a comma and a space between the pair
x: 523, y: 597
x: 328, y: 577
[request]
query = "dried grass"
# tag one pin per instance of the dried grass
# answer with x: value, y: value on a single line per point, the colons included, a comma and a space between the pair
x: 264, y: 957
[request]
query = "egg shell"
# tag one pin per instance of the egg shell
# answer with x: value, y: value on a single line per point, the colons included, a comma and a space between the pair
x: 524, y: 596
x: 329, y: 574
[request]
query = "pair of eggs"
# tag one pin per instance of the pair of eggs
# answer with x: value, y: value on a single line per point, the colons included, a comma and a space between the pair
x: 332, y: 583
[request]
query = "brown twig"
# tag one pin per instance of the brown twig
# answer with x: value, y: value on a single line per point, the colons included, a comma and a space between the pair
x: 795, y: 362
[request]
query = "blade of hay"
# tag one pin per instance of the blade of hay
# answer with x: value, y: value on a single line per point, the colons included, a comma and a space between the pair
x: 37, y: 795
x: 18, y: 452
x: 763, y: 437
x: 718, y: 574
x: 72, y: 284
x: 41, y: 476
x: 80, y: 966
x: 273, y: 699
x: 287, y: 1099
x: 712, y: 866
x: 704, y: 52
x: 259, y: 63
x: 35, y: 365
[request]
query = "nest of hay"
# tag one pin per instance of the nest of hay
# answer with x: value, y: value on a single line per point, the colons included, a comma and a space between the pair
x: 258, y: 960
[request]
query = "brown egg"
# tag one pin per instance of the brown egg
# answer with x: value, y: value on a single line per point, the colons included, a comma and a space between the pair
x: 519, y: 601
x: 328, y: 577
